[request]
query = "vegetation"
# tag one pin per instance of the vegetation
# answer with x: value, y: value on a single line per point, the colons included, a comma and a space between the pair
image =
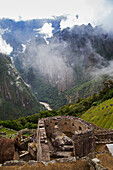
x: 101, y: 115
x: 9, y: 132
x: 97, y: 109
x: 16, y: 98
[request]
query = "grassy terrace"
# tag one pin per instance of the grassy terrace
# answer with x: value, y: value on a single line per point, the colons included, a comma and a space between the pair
x: 9, y: 132
x: 101, y: 115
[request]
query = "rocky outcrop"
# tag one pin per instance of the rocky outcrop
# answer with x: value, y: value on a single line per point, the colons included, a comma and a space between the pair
x: 7, y: 149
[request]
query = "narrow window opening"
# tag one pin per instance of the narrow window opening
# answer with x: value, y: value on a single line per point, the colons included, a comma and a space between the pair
x: 80, y: 128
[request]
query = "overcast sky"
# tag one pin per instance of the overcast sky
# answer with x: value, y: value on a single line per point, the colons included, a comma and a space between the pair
x: 93, y: 11
x: 89, y: 11
x: 28, y: 9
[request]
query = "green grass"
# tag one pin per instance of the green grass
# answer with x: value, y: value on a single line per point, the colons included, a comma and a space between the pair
x: 100, y: 115
x: 27, y: 134
x: 9, y: 132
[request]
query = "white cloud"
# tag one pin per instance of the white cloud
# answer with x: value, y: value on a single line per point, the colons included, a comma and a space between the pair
x: 46, y: 30
x: 89, y: 11
x: 93, y: 11
x: 24, y: 47
x: 4, y: 47
x: 105, y: 70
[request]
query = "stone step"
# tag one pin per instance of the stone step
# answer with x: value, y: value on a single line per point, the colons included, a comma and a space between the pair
x: 62, y: 154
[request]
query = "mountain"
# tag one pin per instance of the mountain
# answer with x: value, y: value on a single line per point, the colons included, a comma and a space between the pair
x: 96, y: 109
x: 18, y: 33
x: 16, y: 98
x: 73, y: 63
x: 69, y: 66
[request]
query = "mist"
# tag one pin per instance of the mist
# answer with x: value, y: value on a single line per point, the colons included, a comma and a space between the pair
x: 51, y: 62
x: 108, y: 70
x: 4, y: 47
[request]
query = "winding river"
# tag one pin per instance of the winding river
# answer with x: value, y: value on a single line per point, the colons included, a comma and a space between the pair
x: 47, y: 106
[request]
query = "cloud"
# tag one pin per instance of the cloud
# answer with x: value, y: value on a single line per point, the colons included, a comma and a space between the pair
x: 51, y: 62
x: 105, y: 70
x: 4, y: 47
x: 46, y: 30
x: 89, y: 11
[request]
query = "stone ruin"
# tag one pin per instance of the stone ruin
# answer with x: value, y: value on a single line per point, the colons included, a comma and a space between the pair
x: 58, y: 139
x: 64, y: 137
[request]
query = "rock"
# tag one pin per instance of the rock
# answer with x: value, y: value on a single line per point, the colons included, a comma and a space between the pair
x: 7, y: 149
x: 70, y: 159
x: 95, y: 160
x: 14, y: 163
x: 32, y: 163
x: 24, y: 131
x: 24, y: 154
x: 45, y: 163
x: 3, y: 133
x: 32, y: 148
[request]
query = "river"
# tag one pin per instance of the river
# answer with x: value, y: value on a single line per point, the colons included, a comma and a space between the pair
x: 47, y: 106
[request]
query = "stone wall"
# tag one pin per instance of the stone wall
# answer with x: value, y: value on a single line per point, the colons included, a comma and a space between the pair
x: 67, y: 134
x: 84, y: 143
x: 42, y: 144
x: 104, y: 136
x: 66, y: 124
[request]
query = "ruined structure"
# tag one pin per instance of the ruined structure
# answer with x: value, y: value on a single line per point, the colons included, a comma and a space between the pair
x: 64, y: 137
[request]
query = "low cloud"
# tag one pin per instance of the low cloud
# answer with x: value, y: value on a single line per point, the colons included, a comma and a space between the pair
x: 4, y: 47
x: 108, y: 70
x: 51, y: 62
x: 46, y: 30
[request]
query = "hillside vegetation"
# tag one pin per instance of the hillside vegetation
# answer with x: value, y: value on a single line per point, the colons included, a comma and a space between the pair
x: 96, y: 109
x: 101, y: 115
x: 16, y: 98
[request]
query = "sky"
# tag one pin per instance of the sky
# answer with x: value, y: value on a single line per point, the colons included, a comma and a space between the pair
x: 93, y: 11
x: 78, y: 12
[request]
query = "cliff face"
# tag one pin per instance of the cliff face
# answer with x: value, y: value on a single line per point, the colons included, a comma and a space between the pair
x: 16, y: 98
x: 60, y: 69
x: 71, y: 55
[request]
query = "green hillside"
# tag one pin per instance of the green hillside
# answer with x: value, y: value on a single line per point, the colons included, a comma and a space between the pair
x: 16, y: 98
x: 101, y: 115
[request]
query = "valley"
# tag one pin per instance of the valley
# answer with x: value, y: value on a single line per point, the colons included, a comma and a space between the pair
x: 56, y: 85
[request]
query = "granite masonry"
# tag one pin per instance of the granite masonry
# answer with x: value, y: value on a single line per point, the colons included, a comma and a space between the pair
x: 64, y: 137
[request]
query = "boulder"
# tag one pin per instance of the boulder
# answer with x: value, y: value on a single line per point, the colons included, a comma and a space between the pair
x: 7, y: 149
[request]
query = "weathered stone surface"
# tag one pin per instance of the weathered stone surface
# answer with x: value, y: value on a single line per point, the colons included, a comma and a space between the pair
x: 14, y: 163
x: 96, y: 166
x: 32, y: 148
x: 26, y: 130
x: 6, y: 149
x: 104, y: 136
x: 32, y: 163
x: 64, y: 137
